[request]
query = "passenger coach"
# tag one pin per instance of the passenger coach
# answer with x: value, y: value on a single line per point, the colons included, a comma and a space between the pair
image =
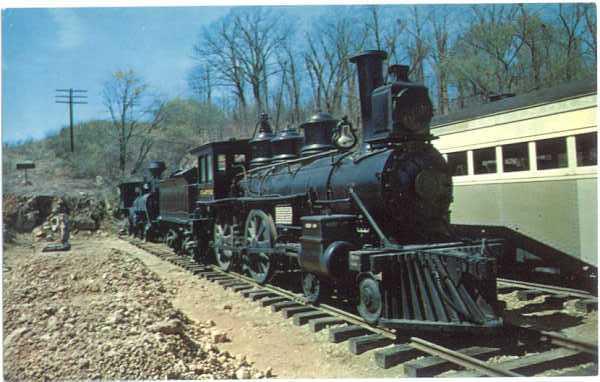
x: 525, y: 167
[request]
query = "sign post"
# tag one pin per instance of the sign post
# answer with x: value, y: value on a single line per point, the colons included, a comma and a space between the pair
x: 25, y: 166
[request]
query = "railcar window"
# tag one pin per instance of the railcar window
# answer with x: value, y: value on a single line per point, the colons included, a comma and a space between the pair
x: 209, y: 168
x: 551, y: 153
x: 202, y: 166
x: 221, y: 162
x: 587, y: 149
x: 484, y: 160
x: 515, y: 157
x: 458, y: 163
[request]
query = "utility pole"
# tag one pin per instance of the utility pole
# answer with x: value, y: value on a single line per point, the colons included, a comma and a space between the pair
x: 71, y: 99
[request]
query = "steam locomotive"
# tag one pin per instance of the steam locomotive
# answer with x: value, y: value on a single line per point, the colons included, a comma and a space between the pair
x: 366, y: 221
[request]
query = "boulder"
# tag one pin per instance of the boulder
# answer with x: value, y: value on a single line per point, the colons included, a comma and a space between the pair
x: 243, y: 373
x: 172, y: 326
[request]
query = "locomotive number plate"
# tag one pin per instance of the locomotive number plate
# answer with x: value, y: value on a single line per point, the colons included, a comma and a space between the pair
x: 283, y: 214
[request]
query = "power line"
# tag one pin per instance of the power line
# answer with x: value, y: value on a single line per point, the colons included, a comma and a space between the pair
x: 71, y: 100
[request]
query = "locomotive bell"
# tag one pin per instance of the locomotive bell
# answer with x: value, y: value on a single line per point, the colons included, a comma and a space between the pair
x: 261, y: 143
x: 286, y: 145
x: 317, y: 133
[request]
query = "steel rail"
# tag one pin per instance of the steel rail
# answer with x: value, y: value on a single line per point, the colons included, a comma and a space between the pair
x: 570, y: 343
x: 546, y: 288
x: 460, y: 359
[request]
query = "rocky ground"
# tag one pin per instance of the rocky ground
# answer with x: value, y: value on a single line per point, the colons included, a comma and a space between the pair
x: 96, y: 312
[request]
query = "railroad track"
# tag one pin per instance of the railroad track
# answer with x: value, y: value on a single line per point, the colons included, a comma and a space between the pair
x: 533, y: 351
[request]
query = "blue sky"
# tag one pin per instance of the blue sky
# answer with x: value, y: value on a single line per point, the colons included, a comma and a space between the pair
x: 48, y: 49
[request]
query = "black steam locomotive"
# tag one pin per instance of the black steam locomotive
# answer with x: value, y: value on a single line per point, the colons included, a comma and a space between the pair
x: 369, y: 223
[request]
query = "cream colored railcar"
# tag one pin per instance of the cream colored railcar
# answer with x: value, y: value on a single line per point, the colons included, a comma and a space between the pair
x: 528, y: 163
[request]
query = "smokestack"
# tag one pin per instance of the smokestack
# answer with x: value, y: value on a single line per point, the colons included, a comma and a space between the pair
x: 370, y: 76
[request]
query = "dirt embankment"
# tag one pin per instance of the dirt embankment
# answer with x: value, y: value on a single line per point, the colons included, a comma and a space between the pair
x: 37, y: 214
x: 100, y: 313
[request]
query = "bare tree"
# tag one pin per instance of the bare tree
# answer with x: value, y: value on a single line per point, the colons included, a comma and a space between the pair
x: 293, y: 81
x: 417, y: 46
x: 135, y: 114
x: 330, y: 45
x: 200, y: 81
x: 260, y: 35
x: 384, y: 31
x: 590, y: 38
x: 439, y: 55
x: 218, y: 49
x: 571, y: 16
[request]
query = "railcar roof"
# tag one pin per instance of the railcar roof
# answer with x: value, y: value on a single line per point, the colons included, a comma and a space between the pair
x: 218, y: 144
x: 568, y: 90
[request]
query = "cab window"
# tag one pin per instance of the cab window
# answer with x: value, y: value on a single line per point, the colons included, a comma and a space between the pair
x: 209, y: 168
x: 202, y: 168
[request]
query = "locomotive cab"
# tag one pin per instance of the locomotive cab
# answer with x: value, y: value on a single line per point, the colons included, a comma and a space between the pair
x: 128, y: 191
x: 218, y: 165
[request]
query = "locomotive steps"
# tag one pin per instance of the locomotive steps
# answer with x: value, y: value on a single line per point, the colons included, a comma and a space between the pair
x: 522, y: 351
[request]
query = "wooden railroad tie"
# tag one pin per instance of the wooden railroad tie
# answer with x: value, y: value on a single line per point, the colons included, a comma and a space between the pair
x: 238, y: 288
x: 303, y: 318
x: 197, y: 268
x: 215, y: 276
x: 321, y: 323
x: 529, y: 294
x: 248, y: 292
x: 201, y: 272
x: 224, y: 281
x: 394, y: 355
x: 284, y: 304
x: 233, y: 284
x: 216, y: 279
x: 260, y: 295
x: 359, y: 345
x: 292, y: 311
x: 272, y: 300
x: 341, y: 334
x: 206, y: 275
x: 434, y: 365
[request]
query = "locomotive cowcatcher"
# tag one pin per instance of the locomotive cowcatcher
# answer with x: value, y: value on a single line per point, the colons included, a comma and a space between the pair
x: 366, y: 221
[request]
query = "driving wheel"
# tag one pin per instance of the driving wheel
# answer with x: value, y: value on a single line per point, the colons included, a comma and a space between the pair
x: 260, y: 235
x: 223, y: 245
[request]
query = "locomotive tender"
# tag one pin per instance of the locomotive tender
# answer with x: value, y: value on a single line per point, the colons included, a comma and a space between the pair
x: 369, y: 224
